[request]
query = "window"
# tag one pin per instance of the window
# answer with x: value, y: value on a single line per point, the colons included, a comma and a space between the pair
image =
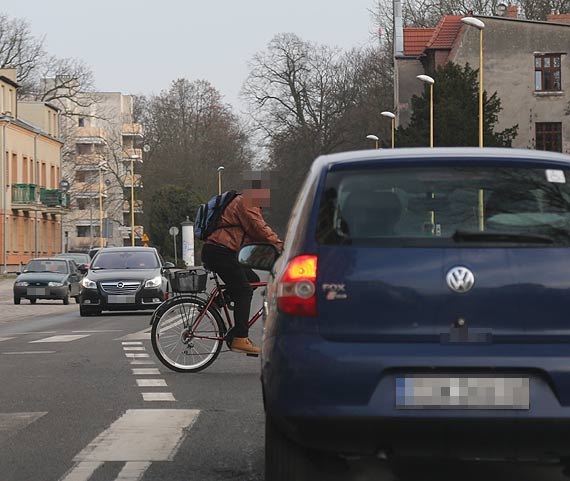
x: 549, y: 136
x: 547, y: 73
x: 84, y: 204
x: 81, y: 122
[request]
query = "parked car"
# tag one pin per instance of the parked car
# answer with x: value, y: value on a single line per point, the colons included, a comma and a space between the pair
x: 81, y: 259
x: 421, y: 305
x: 123, y: 279
x: 48, y: 278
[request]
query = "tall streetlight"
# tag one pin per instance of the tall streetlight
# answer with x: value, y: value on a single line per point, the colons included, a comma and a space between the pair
x: 391, y: 116
x: 220, y: 170
x: 102, y: 168
x: 479, y: 25
x: 428, y: 80
x: 133, y: 158
x: 374, y: 138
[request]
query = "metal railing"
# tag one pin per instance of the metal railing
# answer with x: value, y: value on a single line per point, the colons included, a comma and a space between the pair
x: 24, y: 193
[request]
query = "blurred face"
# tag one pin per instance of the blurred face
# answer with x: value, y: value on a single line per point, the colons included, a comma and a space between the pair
x: 256, y: 192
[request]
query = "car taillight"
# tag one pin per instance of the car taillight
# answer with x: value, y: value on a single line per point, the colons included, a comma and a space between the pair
x: 297, y: 288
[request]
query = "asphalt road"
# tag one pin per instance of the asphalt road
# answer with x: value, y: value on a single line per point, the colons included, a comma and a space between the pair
x: 84, y: 399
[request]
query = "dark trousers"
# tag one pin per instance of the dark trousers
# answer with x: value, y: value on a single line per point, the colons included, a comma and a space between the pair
x: 236, y: 277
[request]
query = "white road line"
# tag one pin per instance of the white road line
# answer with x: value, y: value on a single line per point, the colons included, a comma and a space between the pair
x: 131, y: 343
x: 102, y: 330
x: 148, y: 371
x: 6, y: 338
x: 151, y: 383
x: 11, y: 423
x: 133, y: 471
x: 136, y: 336
x: 135, y: 355
x: 67, y: 338
x: 29, y: 352
x: 142, y: 362
x: 158, y: 396
x: 133, y: 348
x: 81, y: 471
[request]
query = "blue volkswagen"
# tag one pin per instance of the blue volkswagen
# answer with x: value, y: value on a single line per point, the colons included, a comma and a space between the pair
x: 421, y: 305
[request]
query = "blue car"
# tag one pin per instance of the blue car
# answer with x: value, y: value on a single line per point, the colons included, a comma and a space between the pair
x: 421, y: 306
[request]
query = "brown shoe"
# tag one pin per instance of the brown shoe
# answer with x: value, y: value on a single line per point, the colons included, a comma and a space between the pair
x: 244, y: 344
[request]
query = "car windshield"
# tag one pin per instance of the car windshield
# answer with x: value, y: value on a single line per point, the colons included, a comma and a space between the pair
x: 446, y: 206
x: 78, y: 258
x: 125, y: 260
x: 45, y: 265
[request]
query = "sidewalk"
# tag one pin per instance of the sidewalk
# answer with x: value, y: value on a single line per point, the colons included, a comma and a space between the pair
x: 6, y: 286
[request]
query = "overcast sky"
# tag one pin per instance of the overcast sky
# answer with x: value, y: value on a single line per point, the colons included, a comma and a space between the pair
x: 140, y: 47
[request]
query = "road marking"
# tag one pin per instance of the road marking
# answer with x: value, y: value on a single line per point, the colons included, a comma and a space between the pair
x: 135, y: 355
x: 29, y: 352
x: 81, y: 471
x: 142, y: 362
x: 67, y: 338
x: 158, y: 396
x: 102, y: 330
x: 148, y: 371
x: 133, y: 348
x: 151, y: 383
x: 11, y: 423
x: 131, y: 343
x: 6, y: 338
x: 136, y: 336
x: 133, y: 471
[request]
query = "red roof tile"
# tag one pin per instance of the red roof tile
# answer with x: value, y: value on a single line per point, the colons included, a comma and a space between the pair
x: 446, y: 32
x: 416, y: 39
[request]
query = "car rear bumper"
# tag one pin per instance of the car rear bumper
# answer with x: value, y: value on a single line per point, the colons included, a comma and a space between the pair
x: 144, y: 299
x: 342, y: 396
x: 47, y: 293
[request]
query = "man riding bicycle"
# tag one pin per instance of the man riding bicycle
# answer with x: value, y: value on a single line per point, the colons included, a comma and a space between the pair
x: 241, y: 222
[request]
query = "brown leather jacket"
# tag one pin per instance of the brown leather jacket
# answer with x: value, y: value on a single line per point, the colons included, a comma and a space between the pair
x: 249, y: 227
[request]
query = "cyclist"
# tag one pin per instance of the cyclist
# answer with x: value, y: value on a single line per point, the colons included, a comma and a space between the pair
x: 241, y: 222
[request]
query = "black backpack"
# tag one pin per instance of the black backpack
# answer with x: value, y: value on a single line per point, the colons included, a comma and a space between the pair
x: 210, y: 213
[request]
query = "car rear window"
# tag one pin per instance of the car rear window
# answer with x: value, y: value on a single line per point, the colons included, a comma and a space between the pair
x: 445, y: 206
x: 125, y: 260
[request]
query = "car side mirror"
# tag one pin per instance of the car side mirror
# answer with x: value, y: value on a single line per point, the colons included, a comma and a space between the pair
x: 258, y: 256
x: 168, y: 265
x: 18, y: 273
x: 83, y: 268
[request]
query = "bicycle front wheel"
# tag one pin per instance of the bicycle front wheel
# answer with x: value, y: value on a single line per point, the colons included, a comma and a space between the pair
x: 182, y: 341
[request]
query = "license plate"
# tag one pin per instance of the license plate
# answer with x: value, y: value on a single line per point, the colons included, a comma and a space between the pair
x: 121, y: 299
x: 36, y: 291
x: 444, y: 392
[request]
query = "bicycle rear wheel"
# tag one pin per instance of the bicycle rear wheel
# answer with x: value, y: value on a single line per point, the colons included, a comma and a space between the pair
x: 182, y: 344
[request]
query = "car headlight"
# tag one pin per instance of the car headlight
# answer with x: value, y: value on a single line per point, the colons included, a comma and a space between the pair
x: 88, y: 283
x: 55, y: 284
x: 156, y: 282
x: 21, y: 284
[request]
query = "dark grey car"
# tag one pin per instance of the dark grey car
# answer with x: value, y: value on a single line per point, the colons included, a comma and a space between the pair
x: 48, y: 278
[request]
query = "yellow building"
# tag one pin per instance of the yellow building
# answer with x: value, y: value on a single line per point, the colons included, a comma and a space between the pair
x: 31, y: 205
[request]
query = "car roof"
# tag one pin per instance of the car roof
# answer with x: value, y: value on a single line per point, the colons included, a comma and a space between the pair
x: 50, y: 259
x: 129, y: 248
x: 425, y: 154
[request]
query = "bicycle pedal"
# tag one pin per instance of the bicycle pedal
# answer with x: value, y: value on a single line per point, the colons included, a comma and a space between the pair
x: 249, y: 354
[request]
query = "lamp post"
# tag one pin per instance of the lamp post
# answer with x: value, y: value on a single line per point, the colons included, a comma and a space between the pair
x: 133, y: 158
x: 102, y: 168
x: 374, y: 138
x: 220, y: 170
x: 392, y: 117
x: 479, y: 25
x: 428, y: 80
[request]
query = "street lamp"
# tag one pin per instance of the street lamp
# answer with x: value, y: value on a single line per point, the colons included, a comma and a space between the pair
x: 374, y: 138
x: 479, y: 25
x: 391, y: 116
x: 220, y: 170
x: 102, y: 168
x: 133, y: 158
x: 427, y: 79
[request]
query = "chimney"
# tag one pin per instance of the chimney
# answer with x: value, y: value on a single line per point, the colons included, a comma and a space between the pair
x: 512, y: 11
x: 558, y: 17
x: 398, y: 29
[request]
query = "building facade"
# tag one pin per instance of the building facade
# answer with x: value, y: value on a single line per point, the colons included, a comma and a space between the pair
x: 103, y: 145
x: 525, y: 62
x: 31, y: 204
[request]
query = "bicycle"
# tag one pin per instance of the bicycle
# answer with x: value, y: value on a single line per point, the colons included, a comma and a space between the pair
x: 188, y: 330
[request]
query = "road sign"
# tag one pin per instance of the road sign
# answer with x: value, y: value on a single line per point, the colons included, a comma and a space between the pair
x: 173, y: 231
x: 145, y: 240
x: 64, y: 185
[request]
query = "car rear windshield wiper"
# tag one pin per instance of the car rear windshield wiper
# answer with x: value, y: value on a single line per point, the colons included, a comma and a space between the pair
x: 490, y: 236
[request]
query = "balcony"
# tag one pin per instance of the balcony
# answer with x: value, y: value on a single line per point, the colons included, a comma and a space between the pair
x: 138, y: 206
x: 89, y: 161
x: 135, y: 154
x: 24, y: 196
x: 84, y: 190
x: 90, y: 135
x: 53, y: 199
x: 132, y: 130
x: 84, y: 243
x: 127, y: 180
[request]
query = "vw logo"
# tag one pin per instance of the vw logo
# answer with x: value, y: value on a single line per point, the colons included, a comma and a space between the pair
x: 460, y: 279
x: 120, y: 285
